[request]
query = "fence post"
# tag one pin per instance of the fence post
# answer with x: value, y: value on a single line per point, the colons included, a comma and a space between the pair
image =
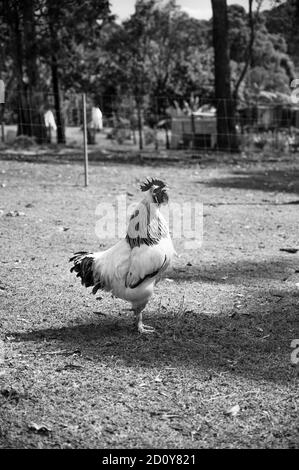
x: 85, y: 140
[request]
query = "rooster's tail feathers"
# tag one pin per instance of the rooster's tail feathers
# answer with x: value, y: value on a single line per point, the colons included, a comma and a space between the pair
x: 78, y: 255
x: 83, y: 266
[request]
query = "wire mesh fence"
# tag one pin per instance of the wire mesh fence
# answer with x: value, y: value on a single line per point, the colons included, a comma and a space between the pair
x: 137, y: 123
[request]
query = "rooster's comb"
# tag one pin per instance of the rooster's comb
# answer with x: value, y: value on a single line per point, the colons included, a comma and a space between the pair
x: 146, y: 185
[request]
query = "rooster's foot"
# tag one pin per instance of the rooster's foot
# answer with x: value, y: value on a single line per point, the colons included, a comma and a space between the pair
x: 145, y: 329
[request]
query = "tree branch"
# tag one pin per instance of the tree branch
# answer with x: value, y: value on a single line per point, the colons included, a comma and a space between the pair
x: 249, y: 52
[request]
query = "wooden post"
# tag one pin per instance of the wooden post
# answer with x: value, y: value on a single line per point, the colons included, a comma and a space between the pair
x: 85, y: 140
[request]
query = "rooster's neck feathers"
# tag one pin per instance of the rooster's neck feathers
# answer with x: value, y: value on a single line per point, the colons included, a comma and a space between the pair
x: 147, y: 225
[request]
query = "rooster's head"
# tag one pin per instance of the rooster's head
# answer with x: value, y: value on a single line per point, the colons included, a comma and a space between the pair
x: 157, y: 189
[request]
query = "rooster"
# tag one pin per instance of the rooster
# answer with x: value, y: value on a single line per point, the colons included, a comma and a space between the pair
x: 131, y: 268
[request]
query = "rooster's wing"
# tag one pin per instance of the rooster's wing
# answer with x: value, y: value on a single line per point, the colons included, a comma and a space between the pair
x: 147, y: 262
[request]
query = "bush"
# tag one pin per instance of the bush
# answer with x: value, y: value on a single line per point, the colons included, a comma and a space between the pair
x: 149, y: 136
x: 24, y: 141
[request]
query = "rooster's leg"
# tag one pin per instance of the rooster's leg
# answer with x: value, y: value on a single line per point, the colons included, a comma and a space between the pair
x: 141, y: 327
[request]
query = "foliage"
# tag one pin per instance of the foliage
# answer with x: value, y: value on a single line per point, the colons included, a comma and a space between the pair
x: 158, y: 56
x: 67, y: 30
x: 276, y: 19
x: 271, y: 69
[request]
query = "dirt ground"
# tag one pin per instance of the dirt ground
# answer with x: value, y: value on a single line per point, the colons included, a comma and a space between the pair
x: 217, y: 373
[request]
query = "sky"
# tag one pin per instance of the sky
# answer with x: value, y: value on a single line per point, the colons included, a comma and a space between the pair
x: 200, y: 9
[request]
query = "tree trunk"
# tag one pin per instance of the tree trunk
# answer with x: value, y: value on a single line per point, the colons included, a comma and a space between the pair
x: 140, y: 126
x: 226, y: 129
x: 30, y: 112
x: 23, y: 128
x: 59, y: 119
x: 54, y: 71
x: 37, y: 127
x: 248, y: 60
x: 22, y: 103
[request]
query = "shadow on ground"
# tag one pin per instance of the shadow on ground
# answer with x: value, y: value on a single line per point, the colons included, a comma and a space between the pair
x: 272, y: 180
x: 238, y: 272
x: 253, y: 342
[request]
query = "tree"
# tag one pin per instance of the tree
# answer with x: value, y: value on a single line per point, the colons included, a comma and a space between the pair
x: 45, y: 37
x: 53, y: 14
x: 161, y: 54
x: 247, y: 45
x: 283, y: 19
x: 259, y: 59
x: 70, y: 33
x: 19, y: 19
x: 226, y: 128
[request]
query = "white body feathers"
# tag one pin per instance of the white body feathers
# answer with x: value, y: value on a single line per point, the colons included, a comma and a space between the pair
x: 120, y: 268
